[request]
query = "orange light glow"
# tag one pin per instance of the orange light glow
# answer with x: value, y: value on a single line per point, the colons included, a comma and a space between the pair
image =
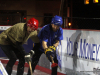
x: 86, y: 1
x: 95, y: 1
x: 69, y: 24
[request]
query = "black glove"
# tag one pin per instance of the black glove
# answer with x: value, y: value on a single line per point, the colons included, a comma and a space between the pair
x: 28, y: 58
x: 50, y: 51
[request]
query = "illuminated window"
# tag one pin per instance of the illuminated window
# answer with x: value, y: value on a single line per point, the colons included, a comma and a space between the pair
x: 95, y: 1
x: 86, y: 1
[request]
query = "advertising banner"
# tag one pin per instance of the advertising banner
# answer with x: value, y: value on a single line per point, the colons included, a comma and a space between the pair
x: 80, y: 52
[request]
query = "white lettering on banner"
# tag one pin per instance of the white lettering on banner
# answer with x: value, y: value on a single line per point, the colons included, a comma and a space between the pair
x: 85, y: 50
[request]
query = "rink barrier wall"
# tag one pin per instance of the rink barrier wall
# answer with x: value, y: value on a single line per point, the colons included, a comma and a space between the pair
x: 43, y: 69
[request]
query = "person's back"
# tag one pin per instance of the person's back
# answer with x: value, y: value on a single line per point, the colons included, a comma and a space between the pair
x: 17, y: 32
x: 12, y: 33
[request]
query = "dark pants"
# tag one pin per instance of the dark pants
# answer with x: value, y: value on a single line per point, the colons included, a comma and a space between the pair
x: 35, y: 60
x: 13, y: 54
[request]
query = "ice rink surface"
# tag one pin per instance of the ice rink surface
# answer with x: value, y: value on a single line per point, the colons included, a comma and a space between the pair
x: 36, y: 72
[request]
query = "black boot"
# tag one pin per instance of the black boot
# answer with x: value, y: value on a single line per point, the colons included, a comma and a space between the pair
x: 20, y: 68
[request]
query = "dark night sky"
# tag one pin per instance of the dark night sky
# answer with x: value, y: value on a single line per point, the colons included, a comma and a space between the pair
x: 91, y: 10
x: 88, y: 13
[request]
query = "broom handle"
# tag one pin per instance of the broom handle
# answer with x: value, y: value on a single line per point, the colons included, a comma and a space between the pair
x: 30, y: 67
x: 52, y: 59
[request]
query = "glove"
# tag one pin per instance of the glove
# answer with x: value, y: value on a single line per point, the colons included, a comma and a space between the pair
x: 31, y: 53
x: 28, y: 58
x: 50, y: 48
x: 53, y: 48
x: 49, y: 52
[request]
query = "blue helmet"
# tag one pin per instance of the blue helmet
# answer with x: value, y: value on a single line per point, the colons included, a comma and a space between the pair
x: 57, y: 20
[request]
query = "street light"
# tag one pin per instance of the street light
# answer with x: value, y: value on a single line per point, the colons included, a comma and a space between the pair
x: 69, y: 24
x: 95, y: 1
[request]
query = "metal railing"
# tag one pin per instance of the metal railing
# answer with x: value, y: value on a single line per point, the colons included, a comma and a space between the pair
x: 76, y: 22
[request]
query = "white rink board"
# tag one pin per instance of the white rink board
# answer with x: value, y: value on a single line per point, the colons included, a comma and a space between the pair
x: 4, y: 27
x: 2, y: 69
x: 86, y: 46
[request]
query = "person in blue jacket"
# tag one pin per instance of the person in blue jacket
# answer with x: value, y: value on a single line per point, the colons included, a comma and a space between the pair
x: 50, y: 36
